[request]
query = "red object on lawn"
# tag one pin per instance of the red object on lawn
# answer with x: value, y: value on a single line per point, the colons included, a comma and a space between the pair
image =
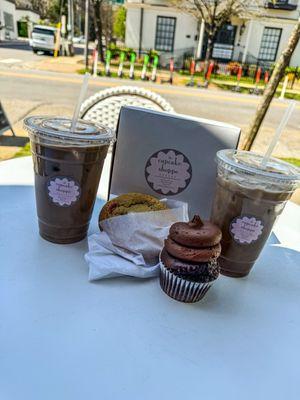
x: 171, y: 70
x: 192, y: 67
x: 266, y: 78
x: 258, y: 75
x: 172, y: 65
x: 239, y: 74
x: 209, y: 71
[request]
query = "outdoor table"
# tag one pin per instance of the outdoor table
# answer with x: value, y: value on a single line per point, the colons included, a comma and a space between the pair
x: 64, y: 338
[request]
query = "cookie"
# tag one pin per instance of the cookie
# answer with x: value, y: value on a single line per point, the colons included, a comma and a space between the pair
x: 128, y: 203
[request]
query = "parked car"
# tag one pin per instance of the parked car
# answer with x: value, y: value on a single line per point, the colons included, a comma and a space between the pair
x: 43, y: 38
x: 79, y: 39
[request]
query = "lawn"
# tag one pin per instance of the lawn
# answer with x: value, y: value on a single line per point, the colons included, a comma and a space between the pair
x: 294, y: 161
x: 24, y: 151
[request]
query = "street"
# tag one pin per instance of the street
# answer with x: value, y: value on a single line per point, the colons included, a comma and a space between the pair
x: 25, y: 89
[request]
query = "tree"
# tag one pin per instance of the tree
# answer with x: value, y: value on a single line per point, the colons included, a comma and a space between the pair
x: 41, y: 6
x: 55, y: 10
x: 270, y: 90
x: 216, y: 13
x: 107, y: 16
x: 119, y: 26
x: 103, y: 21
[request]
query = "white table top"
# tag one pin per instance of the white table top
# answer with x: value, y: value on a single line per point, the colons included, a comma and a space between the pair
x: 63, y: 338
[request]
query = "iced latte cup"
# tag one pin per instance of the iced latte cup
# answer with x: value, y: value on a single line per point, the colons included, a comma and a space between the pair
x: 67, y: 167
x: 248, y: 200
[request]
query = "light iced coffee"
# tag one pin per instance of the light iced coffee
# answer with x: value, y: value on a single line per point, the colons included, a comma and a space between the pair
x: 247, y: 202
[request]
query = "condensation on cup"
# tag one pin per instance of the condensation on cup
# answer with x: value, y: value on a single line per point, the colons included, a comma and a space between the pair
x: 248, y: 199
x: 67, y: 167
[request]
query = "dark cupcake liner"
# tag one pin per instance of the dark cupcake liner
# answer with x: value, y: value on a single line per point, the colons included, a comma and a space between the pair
x: 182, y: 289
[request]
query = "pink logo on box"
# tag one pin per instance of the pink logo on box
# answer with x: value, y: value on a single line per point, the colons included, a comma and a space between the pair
x: 168, y: 172
x: 246, y: 229
x: 63, y: 191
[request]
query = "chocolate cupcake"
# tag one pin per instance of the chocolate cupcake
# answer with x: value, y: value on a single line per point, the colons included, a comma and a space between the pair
x: 188, y: 261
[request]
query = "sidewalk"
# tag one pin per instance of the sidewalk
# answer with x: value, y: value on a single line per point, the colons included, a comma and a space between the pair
x: 57, y: 64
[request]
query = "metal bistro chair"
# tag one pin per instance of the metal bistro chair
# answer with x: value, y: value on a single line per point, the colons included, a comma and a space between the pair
x: 104, y: 106
x: 5, y: 126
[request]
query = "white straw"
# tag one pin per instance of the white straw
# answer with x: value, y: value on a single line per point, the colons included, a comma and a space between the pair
x: 80, y: 100
x: 278, y: 132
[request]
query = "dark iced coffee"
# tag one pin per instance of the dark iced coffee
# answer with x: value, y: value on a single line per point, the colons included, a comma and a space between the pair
x: 67, y: 168
x: 248, y: 200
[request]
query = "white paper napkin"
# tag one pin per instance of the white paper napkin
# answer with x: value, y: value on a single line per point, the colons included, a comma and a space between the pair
x: 130, y: 244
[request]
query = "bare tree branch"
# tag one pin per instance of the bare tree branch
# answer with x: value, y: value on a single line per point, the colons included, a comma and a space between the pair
x: 216, y: 13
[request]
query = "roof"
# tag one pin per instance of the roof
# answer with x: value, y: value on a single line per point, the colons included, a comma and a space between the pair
x: 27, y: 9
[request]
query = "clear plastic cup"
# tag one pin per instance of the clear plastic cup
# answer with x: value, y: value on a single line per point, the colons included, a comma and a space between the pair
x: 248, y: 199
x: 67, y: 167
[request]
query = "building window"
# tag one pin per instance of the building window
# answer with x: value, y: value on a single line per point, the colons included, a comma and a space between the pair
x: 281, y: 4
x: 8, y: 21
x: 269, y: 44
x: 165, y: 33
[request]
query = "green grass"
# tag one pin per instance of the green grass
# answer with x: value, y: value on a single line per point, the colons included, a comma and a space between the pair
x: 292, y: 96
x: 222, y: 77
x: 82, y: 71
x: 24, y: 151
x: 294, y: 161
x: 225, y: 86
x: 113, y: 74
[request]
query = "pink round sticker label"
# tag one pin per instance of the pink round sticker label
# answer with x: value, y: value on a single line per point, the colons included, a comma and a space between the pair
x: 246, y: 229
x: 168, y: 172
x: 63, y: 191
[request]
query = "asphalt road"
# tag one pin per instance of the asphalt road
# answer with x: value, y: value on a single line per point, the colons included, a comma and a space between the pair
x: 23, y: 47
x: 21, y: 90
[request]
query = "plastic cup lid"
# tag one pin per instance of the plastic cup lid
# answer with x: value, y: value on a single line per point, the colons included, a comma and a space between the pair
x: 57, y: 131
x: 249, y: 163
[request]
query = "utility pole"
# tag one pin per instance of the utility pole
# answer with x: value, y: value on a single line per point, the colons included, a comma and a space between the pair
x: 141, y: 28
x: 72, y: 20
x: 86, y: 34
x: 64, y: 41
x: 79, y: 9
x: 70, y: 26
x: 200, y: 39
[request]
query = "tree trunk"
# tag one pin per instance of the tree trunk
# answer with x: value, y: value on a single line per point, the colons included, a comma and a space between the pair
x: 209, y: 50
x: 270, y: 90
x: 98, y: 27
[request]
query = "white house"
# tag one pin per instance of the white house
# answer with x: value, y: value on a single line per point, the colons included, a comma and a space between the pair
x: 8, y: 22
x: 154, y: 24
x: 10, y: 15
x: 27, y: 13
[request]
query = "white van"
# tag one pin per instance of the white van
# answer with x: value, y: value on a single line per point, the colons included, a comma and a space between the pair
x: 43, y: 38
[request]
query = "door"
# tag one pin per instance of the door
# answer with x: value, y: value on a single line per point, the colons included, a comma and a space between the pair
x: 224, y: 43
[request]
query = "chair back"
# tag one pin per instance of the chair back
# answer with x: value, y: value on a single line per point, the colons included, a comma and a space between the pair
x: 104, y: 106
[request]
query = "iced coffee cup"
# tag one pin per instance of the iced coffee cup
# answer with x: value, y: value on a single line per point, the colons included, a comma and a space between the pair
x: 247, y: 202
x: 67, y: 167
